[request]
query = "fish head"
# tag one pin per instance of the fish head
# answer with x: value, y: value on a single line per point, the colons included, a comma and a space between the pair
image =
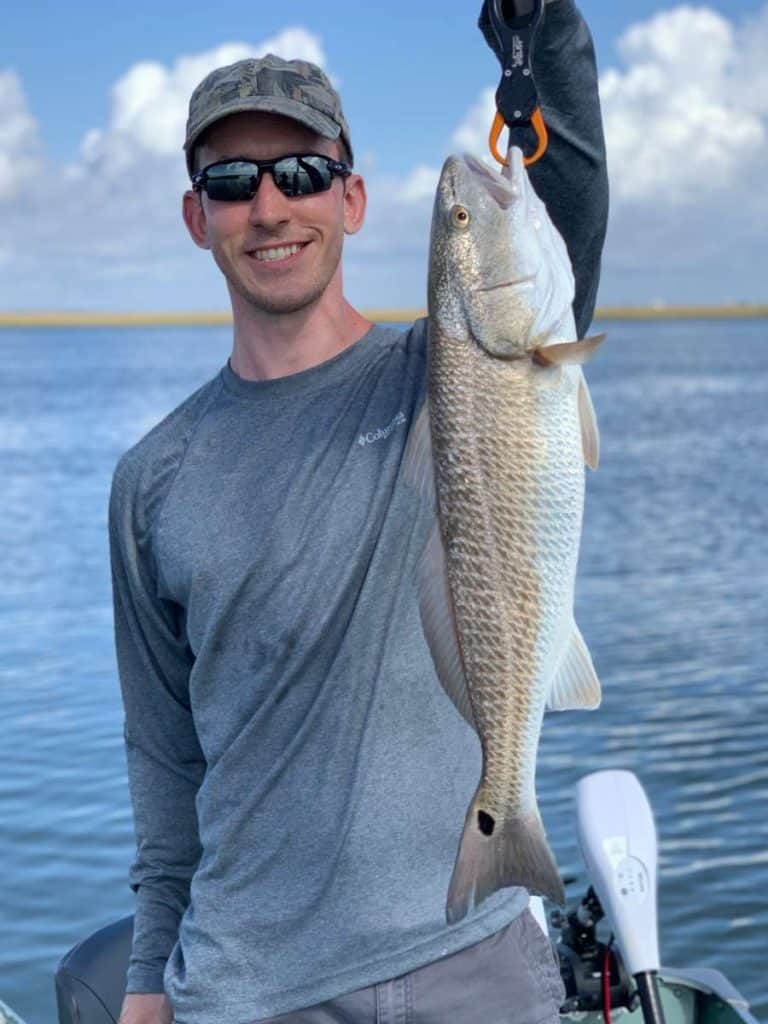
x: 499, y: 272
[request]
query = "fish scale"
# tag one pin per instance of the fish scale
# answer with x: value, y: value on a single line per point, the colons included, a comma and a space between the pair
x: 511, y: 477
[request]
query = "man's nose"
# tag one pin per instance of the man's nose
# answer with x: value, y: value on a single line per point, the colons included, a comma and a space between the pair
x: 269, y: 205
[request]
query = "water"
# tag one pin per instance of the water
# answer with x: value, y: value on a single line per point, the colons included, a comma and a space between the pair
x: 671, y: 599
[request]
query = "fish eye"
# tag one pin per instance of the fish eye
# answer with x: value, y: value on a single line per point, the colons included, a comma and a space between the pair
x: 460, y: 217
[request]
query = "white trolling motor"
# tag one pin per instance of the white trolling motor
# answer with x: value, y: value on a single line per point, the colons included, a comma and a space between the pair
x: 617, y: 836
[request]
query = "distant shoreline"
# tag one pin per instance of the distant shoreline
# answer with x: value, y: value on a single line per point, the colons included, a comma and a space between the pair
x: 211, y: 319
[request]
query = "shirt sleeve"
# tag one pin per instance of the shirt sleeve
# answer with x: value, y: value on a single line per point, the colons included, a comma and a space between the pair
x: 165, y: 762
x: 571, y: 177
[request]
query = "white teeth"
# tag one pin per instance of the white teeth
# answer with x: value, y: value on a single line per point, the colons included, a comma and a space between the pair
x: 276, y: 254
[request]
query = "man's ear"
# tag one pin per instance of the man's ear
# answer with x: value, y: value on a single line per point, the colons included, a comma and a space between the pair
x: 194, y: 217
x: 355, y: 201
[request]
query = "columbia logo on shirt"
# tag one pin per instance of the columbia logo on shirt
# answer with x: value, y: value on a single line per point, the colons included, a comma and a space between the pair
x: 378, y: 435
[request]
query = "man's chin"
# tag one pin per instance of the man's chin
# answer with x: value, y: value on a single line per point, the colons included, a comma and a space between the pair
x: 277, y: 301
x: 280, y: 304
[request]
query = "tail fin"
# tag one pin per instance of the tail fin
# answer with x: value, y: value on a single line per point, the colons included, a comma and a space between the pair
x: 496, y: 854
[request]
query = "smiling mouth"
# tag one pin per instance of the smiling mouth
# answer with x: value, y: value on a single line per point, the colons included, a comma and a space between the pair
x: 277, y: 252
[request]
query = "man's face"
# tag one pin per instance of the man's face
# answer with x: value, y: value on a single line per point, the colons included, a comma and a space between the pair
x: 244, y: 236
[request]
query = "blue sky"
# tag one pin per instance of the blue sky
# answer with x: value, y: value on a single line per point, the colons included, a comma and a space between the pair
x: 409, y: 81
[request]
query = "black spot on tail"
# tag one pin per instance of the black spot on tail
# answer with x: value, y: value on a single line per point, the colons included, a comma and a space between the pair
x: 485, y: 823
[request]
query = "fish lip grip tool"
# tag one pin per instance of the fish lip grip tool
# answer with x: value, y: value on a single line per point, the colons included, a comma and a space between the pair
x: 517, y: 99
x: 617, y: 836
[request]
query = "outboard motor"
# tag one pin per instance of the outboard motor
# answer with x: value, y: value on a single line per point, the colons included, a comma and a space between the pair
x: 90, y: 979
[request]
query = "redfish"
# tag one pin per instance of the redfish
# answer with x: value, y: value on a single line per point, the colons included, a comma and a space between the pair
x: 499, y: 451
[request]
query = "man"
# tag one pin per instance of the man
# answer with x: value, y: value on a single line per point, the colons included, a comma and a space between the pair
x: 299, y: 779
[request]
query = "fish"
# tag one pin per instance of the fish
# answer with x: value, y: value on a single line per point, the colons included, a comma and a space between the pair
x: 498, y: 453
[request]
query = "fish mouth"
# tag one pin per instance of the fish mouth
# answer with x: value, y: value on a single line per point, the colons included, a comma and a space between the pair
x: 502, y: 189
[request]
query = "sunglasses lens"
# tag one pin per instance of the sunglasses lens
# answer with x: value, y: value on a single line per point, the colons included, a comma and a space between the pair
x: 237, y: 180
x: 302, y: 175
x: 232, y: 182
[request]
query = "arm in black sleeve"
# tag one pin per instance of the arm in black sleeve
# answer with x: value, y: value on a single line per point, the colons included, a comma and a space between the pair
x: 571, y: 177
x: 165, y: 763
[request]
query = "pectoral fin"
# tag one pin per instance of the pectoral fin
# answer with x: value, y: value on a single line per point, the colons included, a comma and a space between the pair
x: 568, y: 352
x: 435, y: 603
x: 439, y: 622
x: 419, y: 468
x: 575, y: 684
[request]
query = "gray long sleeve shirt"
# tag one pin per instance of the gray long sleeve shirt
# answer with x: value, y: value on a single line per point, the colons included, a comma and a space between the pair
x: 291, y: 752
x: 299, y: 778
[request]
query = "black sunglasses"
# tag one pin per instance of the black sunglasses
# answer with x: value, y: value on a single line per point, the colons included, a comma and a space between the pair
x: 300, y: 174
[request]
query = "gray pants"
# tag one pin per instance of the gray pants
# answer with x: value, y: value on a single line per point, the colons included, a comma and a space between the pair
x: 509, y: 978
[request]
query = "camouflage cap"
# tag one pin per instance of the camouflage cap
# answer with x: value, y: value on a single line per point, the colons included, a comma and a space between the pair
x: 293, y: 88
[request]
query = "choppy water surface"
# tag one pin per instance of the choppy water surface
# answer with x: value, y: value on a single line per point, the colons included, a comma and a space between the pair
x: 671, y: 599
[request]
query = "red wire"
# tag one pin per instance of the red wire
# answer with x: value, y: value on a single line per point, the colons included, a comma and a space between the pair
x: 607, y: 985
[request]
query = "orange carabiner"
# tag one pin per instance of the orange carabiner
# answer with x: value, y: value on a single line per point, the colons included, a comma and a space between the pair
x: 542, y: 136
x: 493, y: 139
x: 537, y: 120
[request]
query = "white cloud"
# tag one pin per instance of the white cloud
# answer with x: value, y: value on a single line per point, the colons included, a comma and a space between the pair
x: 149, y: 102
x: 20, y: 147
x: 684, y: 120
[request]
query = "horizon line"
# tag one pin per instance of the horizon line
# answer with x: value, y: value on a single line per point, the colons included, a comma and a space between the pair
x: 202, y: 318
